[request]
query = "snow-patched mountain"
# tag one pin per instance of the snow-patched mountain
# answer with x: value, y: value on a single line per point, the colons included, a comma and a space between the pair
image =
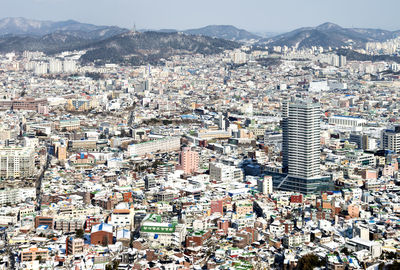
x: 329, y: 35
x: 23, y: 26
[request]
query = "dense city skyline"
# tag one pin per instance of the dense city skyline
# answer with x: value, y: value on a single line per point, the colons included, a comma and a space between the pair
x: 256, y: 16
x: 209, y: 148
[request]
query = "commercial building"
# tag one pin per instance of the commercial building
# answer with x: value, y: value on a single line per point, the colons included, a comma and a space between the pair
x: 29, y: 104
x: 356, y: 244
x: 159, y: 233
x: 68, y: 124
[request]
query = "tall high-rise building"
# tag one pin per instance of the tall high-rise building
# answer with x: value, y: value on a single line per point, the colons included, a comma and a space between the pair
x: 303, y: 139
x: 55, y: 66
x: 301, y: 146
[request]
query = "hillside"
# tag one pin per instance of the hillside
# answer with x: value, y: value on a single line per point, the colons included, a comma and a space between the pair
x: 151, y: 47
x: 228, y: 32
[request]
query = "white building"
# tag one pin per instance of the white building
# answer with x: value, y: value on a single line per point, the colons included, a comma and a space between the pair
x: 346, y: 121
x: 318, y: 86
x: 265, y: 185
x: 158, y: 233
x: 55, y: 66
x: 357, y: 244
x: 296, y: 239
x: 16, y: 195
x: 301, y: 139
x: 41, y: 68
x: 122, y: 218
x: 224, y: 173
x: 69, y: 66
x: 162, y: 145
x: 17, y: 162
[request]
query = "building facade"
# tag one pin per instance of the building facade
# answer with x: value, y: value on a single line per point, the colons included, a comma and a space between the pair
x: 16, y: 162
x: 301, y: 146
x: 188, y: 160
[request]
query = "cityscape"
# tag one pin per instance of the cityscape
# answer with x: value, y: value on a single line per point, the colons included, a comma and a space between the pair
x: 205, y: 148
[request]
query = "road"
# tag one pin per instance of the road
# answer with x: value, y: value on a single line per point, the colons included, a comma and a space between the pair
x: 39, y: 182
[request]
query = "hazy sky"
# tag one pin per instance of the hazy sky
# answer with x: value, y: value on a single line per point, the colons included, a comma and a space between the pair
x: 254, y: 15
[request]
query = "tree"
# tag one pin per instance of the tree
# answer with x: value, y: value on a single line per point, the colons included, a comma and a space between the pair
x: 393, y: 266
x: 345, y: 251
x: 308, y: 262
x: 113, y: 266
x: 79, y: 233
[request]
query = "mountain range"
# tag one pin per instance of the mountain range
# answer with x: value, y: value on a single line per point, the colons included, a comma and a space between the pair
x: 103, y: 43
x: 114, y: 44
x: 228, y: 32
x: 22, y: 26
x: 329, y: 35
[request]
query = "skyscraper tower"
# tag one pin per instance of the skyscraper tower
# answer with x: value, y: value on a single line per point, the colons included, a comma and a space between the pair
x: 301, y: 145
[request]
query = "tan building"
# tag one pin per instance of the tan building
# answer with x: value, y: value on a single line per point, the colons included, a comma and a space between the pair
x: 32, y: 254
x: 243, y: 208
x: 69, y: 124
x: 74, y: 246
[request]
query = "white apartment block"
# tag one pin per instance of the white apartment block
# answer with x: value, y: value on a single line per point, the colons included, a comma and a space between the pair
x: 163, y: 145
x: 224, y: 173
x: 296, y: 239
x: 17, y: 162
x: 16, y: 195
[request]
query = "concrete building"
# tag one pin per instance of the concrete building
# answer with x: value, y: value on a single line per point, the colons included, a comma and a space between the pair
x: 34, y: 253
x: 159, y: 233
x: 73, y: 246
x: 346, y: 121
x: 162, y: 145
x: 55, y: 66
x: 188, y: 161
x: 16, y: 195
x: 17, y: 162
x: 301, y: 146
x: 224, y: 173
x: 265, y: 185
x: 357, y: 244
x: 302, y: 139
x: 391, y: 139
